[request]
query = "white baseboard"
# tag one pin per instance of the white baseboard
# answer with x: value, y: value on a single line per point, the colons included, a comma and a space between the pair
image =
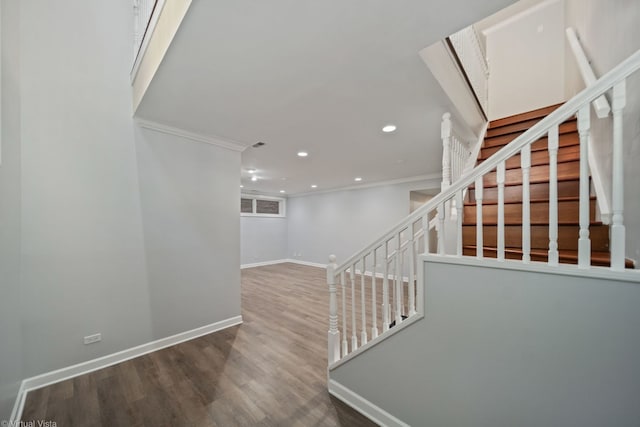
x: 307, y: 263
x: 362, y: 405
x: 263, y: 263
x: 16, y: 413
x: 63, y: 374
x: 282, y: 261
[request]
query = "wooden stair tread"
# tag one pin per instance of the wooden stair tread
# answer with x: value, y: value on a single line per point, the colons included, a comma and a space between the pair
x: 539, y: 158
x: 540, y: 112
x: 598, y: 258
x: 565, y: 140
x: 568, y: 213
x: 568, y: 236
x: 569, y: 188
x: 567, y: 171
x: 531, y: 201
x: 501, y: 140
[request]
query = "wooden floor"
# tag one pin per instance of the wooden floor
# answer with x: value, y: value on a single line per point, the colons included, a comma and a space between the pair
x: 269, y: 371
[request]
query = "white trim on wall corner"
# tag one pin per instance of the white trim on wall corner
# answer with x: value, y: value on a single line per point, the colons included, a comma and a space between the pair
x: 362, y: 405
x: 63, y: 374
x: 171, y: 130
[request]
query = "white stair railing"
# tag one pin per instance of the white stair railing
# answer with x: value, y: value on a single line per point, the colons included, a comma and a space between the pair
x: 142, y: 11
x: 390, y: 254
x: 474, y: 64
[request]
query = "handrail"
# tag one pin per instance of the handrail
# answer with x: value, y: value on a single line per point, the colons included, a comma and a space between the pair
x: 607, y: 81
x: 467, y: 52
x: 143, y: 11
x: 600, y: 105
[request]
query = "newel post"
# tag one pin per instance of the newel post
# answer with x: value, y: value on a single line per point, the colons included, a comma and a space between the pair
x: 333, y: 336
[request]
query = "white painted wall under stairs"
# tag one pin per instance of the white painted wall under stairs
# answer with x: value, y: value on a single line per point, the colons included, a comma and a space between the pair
x: 506, y: 345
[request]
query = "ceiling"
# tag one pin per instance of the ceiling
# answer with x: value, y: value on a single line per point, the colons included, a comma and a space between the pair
x: 317, y: 76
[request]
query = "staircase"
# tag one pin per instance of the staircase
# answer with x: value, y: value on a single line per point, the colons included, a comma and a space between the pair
x: 529, y: 192
x: 500, y: 133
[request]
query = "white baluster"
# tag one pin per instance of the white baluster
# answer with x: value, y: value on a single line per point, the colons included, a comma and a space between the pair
x: 500, y: 175
x: 617, y: 200
x: 525, y: 164
x: 445, y: 132
x: 354, y: 337
x: 345, y: 345
x: 385, y: 290
x: 398, y: 303
x: 392, y: 296
x: 440, y: 229
x: 584, y: 243
x: 333, y: 336
x: 479, y: 222
x: 553, y: 195
x: 374, y: 310
x: 401, y: 288
x: 456, y: 160
x: 425, y: 233
x: 460, y: 209
x: 412, y: 277
x: 363, y: 334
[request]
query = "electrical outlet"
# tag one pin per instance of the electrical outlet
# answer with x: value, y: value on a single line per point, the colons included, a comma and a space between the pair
x: 90, y: 339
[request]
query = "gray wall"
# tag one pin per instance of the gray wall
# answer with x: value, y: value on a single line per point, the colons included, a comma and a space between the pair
x: 10, y: 337
x: 262, y: 239
x: 94, y: 238
x: 343, y: 222
x: 505, y: 348
x: 189, y: 194
x: 609, y: 33
x: 83, y: 264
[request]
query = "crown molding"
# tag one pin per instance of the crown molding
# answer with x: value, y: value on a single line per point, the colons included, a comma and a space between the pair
x: 435, y: 177
x: 192, y: 136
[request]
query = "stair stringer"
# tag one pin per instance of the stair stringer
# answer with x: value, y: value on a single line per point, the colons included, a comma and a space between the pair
x: 496, y: 348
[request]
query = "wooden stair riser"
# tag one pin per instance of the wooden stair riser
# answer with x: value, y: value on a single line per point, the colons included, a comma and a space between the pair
x: 567, y: 236
x: 542, y: 144
x: 534, y: 114
x: 568, y: 213
x: 520, y: 126
x: 501, y: 140
x: 565, y: 154
x: 539, y: 191
x: 566, y: 171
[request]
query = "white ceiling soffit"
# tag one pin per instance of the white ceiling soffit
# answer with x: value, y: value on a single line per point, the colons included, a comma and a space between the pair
x: 509, y: 14
x: 319, y: 76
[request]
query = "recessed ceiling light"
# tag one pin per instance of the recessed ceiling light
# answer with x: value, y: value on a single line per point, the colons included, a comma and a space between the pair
x: 251, y: 170
x: 241, y: 186
x: 389, y: 128
x: 357, y: 179
x: 302, y: 154
x: 282, y: 191
x: 254, y: 178
x: 314, y: 186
